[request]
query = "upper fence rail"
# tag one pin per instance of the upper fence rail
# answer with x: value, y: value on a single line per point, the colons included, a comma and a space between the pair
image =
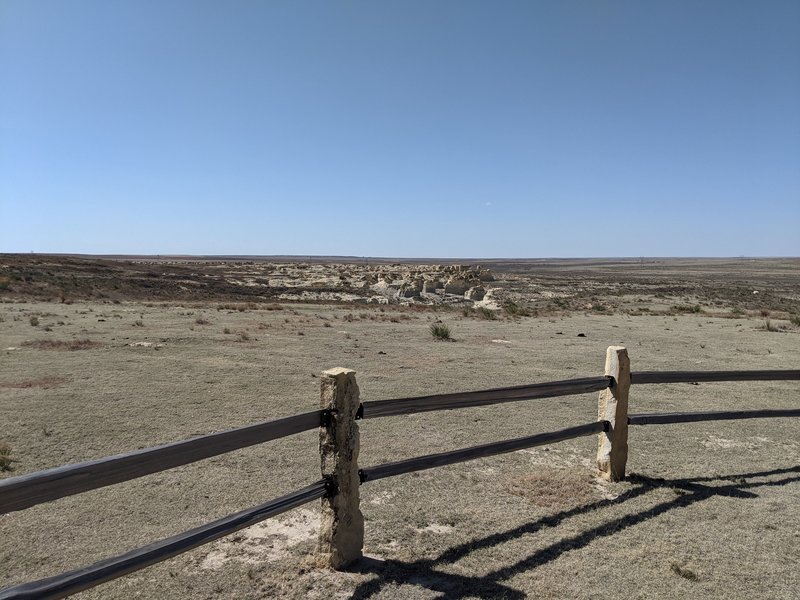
x: 709, y: 376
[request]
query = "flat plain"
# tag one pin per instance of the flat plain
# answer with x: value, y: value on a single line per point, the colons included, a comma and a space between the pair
x: 102, y: 356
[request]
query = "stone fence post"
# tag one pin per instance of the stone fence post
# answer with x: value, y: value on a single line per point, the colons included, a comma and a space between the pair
x: 341, y: 536
x: 612, y: 445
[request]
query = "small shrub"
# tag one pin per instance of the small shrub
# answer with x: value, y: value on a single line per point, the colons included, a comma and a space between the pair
x: 5, y: 457
x: 326, y: 324
x: 34, y: 320
x: 515, y: 310
x: 226, y: 331
x: 440, y: 331
x: 688, y: 308
x: 486, y: 313
x: 737, y: 312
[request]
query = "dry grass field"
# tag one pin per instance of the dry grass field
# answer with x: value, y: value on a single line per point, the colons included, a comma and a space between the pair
x: 709, y: 509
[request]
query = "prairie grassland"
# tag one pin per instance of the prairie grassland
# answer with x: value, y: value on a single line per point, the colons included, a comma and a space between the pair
x: 709, y: 510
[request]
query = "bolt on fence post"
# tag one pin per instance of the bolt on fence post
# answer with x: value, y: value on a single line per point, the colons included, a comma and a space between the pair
x: 341, y: 535
x: 612, y: 445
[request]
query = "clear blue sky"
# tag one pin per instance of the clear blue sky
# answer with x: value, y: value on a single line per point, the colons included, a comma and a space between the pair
x: 408, y: 128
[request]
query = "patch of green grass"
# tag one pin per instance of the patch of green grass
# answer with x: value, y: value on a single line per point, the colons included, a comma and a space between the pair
x: 440, y: 331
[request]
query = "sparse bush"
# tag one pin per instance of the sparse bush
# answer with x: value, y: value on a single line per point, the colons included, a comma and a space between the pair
x: 5, y: 457
x: 688, y: 308
x: 515, y: 310
x: 34, y: 320
x: 440, y: 331
x: 485, y: 313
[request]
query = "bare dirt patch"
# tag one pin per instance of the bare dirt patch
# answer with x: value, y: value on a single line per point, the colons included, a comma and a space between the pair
x: 47, y: 382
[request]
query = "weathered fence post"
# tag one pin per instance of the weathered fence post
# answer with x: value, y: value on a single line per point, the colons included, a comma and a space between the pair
x: 612, y: 445
x: 341, y: 535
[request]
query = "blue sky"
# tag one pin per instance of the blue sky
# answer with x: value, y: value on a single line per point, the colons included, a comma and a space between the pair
x: 438, y: 129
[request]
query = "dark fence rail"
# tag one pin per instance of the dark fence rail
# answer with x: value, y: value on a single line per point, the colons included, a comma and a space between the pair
x: 723, y: 415
x: 106, y: 570
x: 406, y: 406
x: 17, y: 493
x: 704, y: 376
x: 430, y: 461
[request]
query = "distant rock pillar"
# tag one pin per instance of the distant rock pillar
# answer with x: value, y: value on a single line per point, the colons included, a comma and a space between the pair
x: 612, y: 445
x: 341, y: 536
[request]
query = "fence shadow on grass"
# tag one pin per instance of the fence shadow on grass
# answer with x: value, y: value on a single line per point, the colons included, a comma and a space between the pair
x: 426, y: 573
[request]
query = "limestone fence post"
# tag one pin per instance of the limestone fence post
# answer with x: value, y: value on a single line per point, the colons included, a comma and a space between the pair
x: 612, y: 445
x: 341, y: 535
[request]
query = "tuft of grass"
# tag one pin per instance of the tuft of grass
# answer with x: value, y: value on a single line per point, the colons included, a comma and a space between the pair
x: 553, y: 488
x: 5, y: 457
x: 440, y: 331
x: 34, y: 320
x: 687, y: 308
x: 485, y: 313
x: 515, y: 310
x: 226, y: 331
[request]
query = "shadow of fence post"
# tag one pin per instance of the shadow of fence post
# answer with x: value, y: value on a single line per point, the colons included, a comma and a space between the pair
x: 612, y: 445
x: 341, y: 535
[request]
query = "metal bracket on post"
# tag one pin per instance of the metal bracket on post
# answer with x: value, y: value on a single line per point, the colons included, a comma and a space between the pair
x: 326, y: 417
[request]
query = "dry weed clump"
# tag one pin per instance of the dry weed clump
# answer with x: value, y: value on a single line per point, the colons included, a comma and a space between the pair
x: 5, y: 457
x: 554, y: 488
x: 441, y: 332
x: 72, y: 345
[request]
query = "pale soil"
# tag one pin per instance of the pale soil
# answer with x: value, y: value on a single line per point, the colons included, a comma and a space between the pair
x: 711, y: 510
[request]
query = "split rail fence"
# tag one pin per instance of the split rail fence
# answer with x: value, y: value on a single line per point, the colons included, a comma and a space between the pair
x: 342, y: 528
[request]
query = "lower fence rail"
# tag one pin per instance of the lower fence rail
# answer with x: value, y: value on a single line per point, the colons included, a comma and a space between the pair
x: 430, y: 461
x: 723, y: 415
x: 72, y: 582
